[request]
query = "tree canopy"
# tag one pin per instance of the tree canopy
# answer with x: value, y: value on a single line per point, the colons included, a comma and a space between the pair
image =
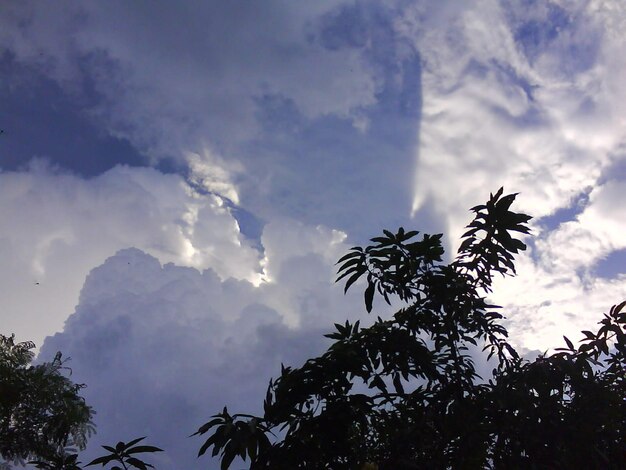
x: 41, y: 410
x: 404, y: 393
x: 43, y: 418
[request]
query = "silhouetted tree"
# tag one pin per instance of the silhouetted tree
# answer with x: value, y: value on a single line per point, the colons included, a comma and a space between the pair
x: 404, y: 393
x: 41, y: 410
x: 43, y: 417
x: 125, y: 454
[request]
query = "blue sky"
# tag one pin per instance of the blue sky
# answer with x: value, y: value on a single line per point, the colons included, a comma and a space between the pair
x: 233, y: 151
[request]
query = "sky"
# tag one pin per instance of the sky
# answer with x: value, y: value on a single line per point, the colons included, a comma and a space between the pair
x: 177, y: 179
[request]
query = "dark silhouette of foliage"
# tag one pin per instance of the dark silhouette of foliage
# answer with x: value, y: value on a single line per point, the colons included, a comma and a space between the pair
x: 404, y: 394
x: 41, y: 411
x: 43, y: 418
x: 62, y: 461
x: 124, y: 453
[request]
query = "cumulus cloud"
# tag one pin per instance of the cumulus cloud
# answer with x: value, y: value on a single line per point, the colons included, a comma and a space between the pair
x: 528, y: 97
x: 523, y: 97
x: 557, y: 290
x: 213, y: 174
x: 327, y: 121
x: 162, y: 347
x: 57, y: 226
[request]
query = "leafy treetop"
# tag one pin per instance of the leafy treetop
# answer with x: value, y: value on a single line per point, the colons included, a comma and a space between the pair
x: 41, y: 410
x: 404, y: 393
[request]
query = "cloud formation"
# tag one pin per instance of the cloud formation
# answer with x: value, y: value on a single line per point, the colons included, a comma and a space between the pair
x: 528, y: 97
x: 57, y: 226
x: 529, y: 103
x: 558, y: 289
x: 307, y: 103
x: 314, y: 123
x: 162, y: 347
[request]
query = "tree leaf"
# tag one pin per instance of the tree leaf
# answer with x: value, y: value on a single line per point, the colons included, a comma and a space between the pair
x: 354, y: 278
x: 369, y: 297
x: 141, y: 449
x: 102, y: 460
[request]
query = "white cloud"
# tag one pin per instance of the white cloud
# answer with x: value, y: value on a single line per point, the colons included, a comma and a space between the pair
x: 529, y: 98
x: 596, y: 232
x: 57, y: 226
x: 545, y: 118
x: 557, y: 290
x: 161, y: 348
x: 214, y: 174
x: 494, y: 117
x: 542, y: 305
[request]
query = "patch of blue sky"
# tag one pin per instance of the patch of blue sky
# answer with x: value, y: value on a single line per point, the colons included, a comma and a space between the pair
x: 565, y: 214
x: 542, y: 25
x: 611, y: 266
x: 342, y: 170
x: 368, y: 26
x: 364, y: 25
x: 534, y: 34
x: 41, y: 120
x: 251, y: 227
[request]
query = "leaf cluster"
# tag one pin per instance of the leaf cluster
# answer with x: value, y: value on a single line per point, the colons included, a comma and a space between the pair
x: 403, y: 393
x: 41, y: 410
x: 64, y: 460
x: 233, y: 438
x: 124, y: 453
